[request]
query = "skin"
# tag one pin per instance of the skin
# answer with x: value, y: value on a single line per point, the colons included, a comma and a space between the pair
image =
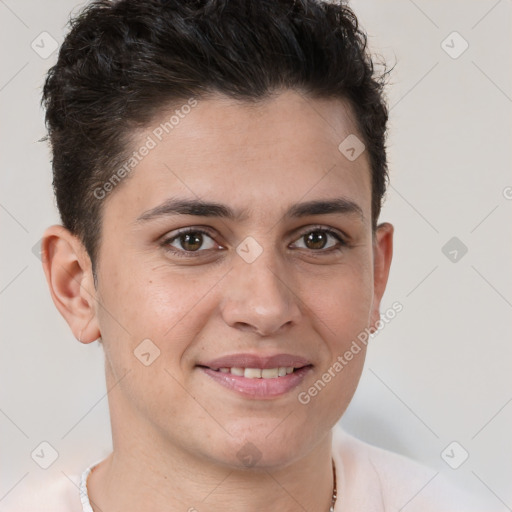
x: 176, y: 432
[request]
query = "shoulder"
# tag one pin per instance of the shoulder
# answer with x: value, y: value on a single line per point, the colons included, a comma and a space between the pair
x: 55, y: 493
x: 374, y: 479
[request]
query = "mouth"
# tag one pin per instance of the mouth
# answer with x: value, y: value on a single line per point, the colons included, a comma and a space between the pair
x: 258, y: 377
x: 257, y: 373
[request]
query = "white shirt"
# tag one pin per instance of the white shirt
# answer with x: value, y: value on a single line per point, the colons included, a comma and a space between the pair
x: 368, y: 479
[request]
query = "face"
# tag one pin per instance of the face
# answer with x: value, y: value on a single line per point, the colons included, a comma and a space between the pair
x: 243, y: 239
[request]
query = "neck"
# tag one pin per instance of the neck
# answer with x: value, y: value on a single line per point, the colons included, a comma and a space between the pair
x: 144, y: 476
x: 150, y: 471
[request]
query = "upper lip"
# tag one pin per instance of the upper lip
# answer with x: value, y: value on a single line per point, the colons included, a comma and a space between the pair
x: 256, y: 361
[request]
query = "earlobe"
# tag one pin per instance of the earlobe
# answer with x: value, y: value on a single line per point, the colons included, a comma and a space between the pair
x: 68, y: 271
x: 382, y: 256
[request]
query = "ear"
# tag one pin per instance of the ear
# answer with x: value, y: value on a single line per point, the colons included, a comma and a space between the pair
x: 68, y: 271
x: 382, y: 255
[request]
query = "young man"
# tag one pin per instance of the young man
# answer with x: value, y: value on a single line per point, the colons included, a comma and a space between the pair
x: 219, y: 169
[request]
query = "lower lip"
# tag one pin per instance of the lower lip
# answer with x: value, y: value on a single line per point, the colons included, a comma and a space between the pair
x: 259, y: 388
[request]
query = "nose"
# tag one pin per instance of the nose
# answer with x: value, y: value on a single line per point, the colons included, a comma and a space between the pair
x: 259, y: 298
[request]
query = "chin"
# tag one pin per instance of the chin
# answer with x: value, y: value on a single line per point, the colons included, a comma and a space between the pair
x: 264, y: 444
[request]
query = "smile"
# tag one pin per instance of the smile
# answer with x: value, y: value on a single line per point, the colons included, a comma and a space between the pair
x: 258, y: 377
x: 259, y: 373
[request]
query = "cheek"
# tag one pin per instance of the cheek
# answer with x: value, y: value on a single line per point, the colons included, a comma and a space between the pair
x: 341, y: 303
x: 148, y: 321
x: 340, y: 311
x: 167, y: 308
x: 328, y: 397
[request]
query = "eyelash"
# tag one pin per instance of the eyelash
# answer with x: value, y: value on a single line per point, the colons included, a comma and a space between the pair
x: 182, y: 253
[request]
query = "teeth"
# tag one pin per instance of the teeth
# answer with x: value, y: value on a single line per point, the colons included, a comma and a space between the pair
x: 269, y: 373
x: 252, y: 373
x: 258, y: 373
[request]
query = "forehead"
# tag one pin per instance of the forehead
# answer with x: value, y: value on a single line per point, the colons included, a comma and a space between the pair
x: 253, y: 156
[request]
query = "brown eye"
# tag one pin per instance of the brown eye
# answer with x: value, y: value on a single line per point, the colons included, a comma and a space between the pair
x: 320, y: 240
x: 315, y: 240
x: 191, y: 241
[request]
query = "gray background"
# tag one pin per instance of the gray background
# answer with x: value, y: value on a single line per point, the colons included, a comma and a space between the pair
x: 438, y: 373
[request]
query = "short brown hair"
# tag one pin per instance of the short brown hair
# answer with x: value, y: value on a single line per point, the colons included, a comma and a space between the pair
x: 124, y: 60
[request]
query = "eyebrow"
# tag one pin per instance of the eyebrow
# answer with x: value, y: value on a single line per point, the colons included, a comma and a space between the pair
x: 198, y: 208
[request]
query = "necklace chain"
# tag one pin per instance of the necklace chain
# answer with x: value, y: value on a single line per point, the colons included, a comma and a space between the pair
x: 334, y: 490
